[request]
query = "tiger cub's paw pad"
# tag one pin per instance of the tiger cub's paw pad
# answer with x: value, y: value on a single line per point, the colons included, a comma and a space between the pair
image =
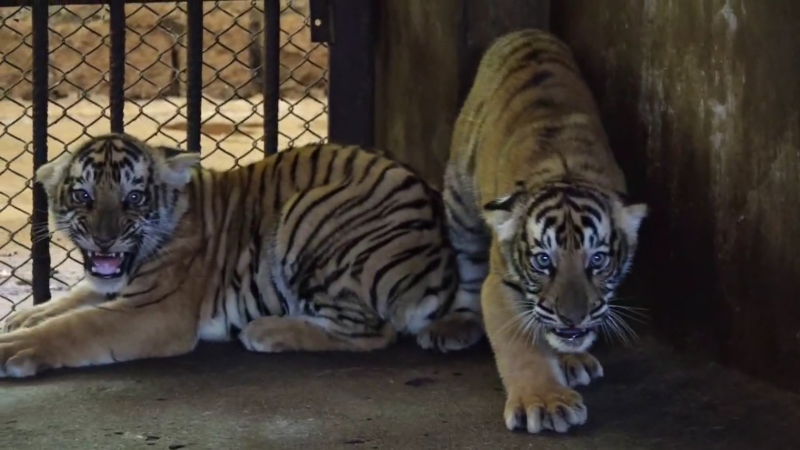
x: 580, y: 369
x: 555, y: 408
x: 450, y: 335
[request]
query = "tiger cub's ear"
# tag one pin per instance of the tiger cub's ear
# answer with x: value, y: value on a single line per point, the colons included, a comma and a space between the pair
x: 180, y: 165
x: 51, y: 174
x: 629, y: 218
x: 499, y: 214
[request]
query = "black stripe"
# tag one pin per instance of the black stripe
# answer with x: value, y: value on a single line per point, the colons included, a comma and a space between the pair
x: 540, y: 77
x: 312, y: 257
x: 458, y: 221
x: 380, y: 273
x: 293, y: 171
x: 137, y: 293
x: 514, y: 286
x: 374, y: 160
x: 347, y: 206
x: 348, y: 164
x: 257, y: 296
x: 317, y: 202
x: 594, y: 212
x: 521, y: 61
x: 275, y: 178
x: 541, y: 306
x: 159, y: 299
x: 329, y: 169
x: 367, y: 215
x: 281, y: 298
x: 313, y: 164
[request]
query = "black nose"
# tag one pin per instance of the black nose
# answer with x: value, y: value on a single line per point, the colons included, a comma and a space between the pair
x: 571, y: 317
x: 566, y: 320
x: 104, y: 243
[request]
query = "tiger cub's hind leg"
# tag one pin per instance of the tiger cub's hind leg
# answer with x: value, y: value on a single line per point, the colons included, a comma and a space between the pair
x: 301, y: 333
x: 451, y: 333
x: 462, y: 326
x: 329, y: 324
x: 470, y: 240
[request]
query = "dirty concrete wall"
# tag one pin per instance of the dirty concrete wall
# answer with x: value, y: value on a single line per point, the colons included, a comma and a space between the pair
x: 701, y: 100
x: 416, y: 81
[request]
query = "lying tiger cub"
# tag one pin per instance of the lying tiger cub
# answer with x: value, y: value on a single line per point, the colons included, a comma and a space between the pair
x: 536, y: 213
x: 316, y: 248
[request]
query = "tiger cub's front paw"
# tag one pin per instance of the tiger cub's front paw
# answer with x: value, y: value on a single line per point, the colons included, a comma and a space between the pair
x: 550, y: 407
x: 23, y: 354
x: 579, y: 369
x: 25, y: 318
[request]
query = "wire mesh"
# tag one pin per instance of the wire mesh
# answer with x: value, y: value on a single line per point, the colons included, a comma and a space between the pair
x: 155, y: 104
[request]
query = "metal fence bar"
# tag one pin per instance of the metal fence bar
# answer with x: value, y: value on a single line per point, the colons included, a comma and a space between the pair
x: 40, y: 252
x: 352, y: 57
x: 272, y: 14
x: 117, y: 65
x: 194, y: 74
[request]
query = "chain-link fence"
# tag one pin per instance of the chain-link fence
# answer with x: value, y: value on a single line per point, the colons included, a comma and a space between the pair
x: 157, y: 50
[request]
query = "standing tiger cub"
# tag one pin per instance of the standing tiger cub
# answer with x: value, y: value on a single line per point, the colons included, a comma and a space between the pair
x: 316, y: 248
x: 536, y: 214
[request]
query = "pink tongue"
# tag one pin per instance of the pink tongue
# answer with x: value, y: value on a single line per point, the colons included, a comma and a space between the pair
x: 106, y: 265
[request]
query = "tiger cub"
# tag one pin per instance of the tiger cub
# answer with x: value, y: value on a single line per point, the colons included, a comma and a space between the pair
x: 536, y: 212
x: 317, y: 248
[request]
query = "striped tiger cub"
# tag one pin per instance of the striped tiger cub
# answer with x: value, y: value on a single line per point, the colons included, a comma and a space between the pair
x: 543, y: 235
x: 317, y: 248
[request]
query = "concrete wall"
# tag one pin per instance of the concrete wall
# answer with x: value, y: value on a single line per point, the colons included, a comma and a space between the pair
x: 701, y: 100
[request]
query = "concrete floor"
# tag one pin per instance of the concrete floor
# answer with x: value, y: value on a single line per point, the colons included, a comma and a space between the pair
x: 225, y: 398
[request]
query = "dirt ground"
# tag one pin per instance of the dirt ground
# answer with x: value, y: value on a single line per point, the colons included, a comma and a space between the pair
x: 232, y: 133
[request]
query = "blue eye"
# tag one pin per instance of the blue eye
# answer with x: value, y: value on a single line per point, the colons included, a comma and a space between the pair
x: 136, y: 198
x: 542, y: 261
x: 80, y: 196
x: 598, y: 260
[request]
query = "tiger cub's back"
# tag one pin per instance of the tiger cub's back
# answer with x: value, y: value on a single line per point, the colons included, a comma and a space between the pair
x: 543, y: 120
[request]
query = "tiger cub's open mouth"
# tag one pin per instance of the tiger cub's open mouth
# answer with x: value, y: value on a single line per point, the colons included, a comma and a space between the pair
x: 106, y: 265
x: 571, y: 334
x: 569, y: 339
